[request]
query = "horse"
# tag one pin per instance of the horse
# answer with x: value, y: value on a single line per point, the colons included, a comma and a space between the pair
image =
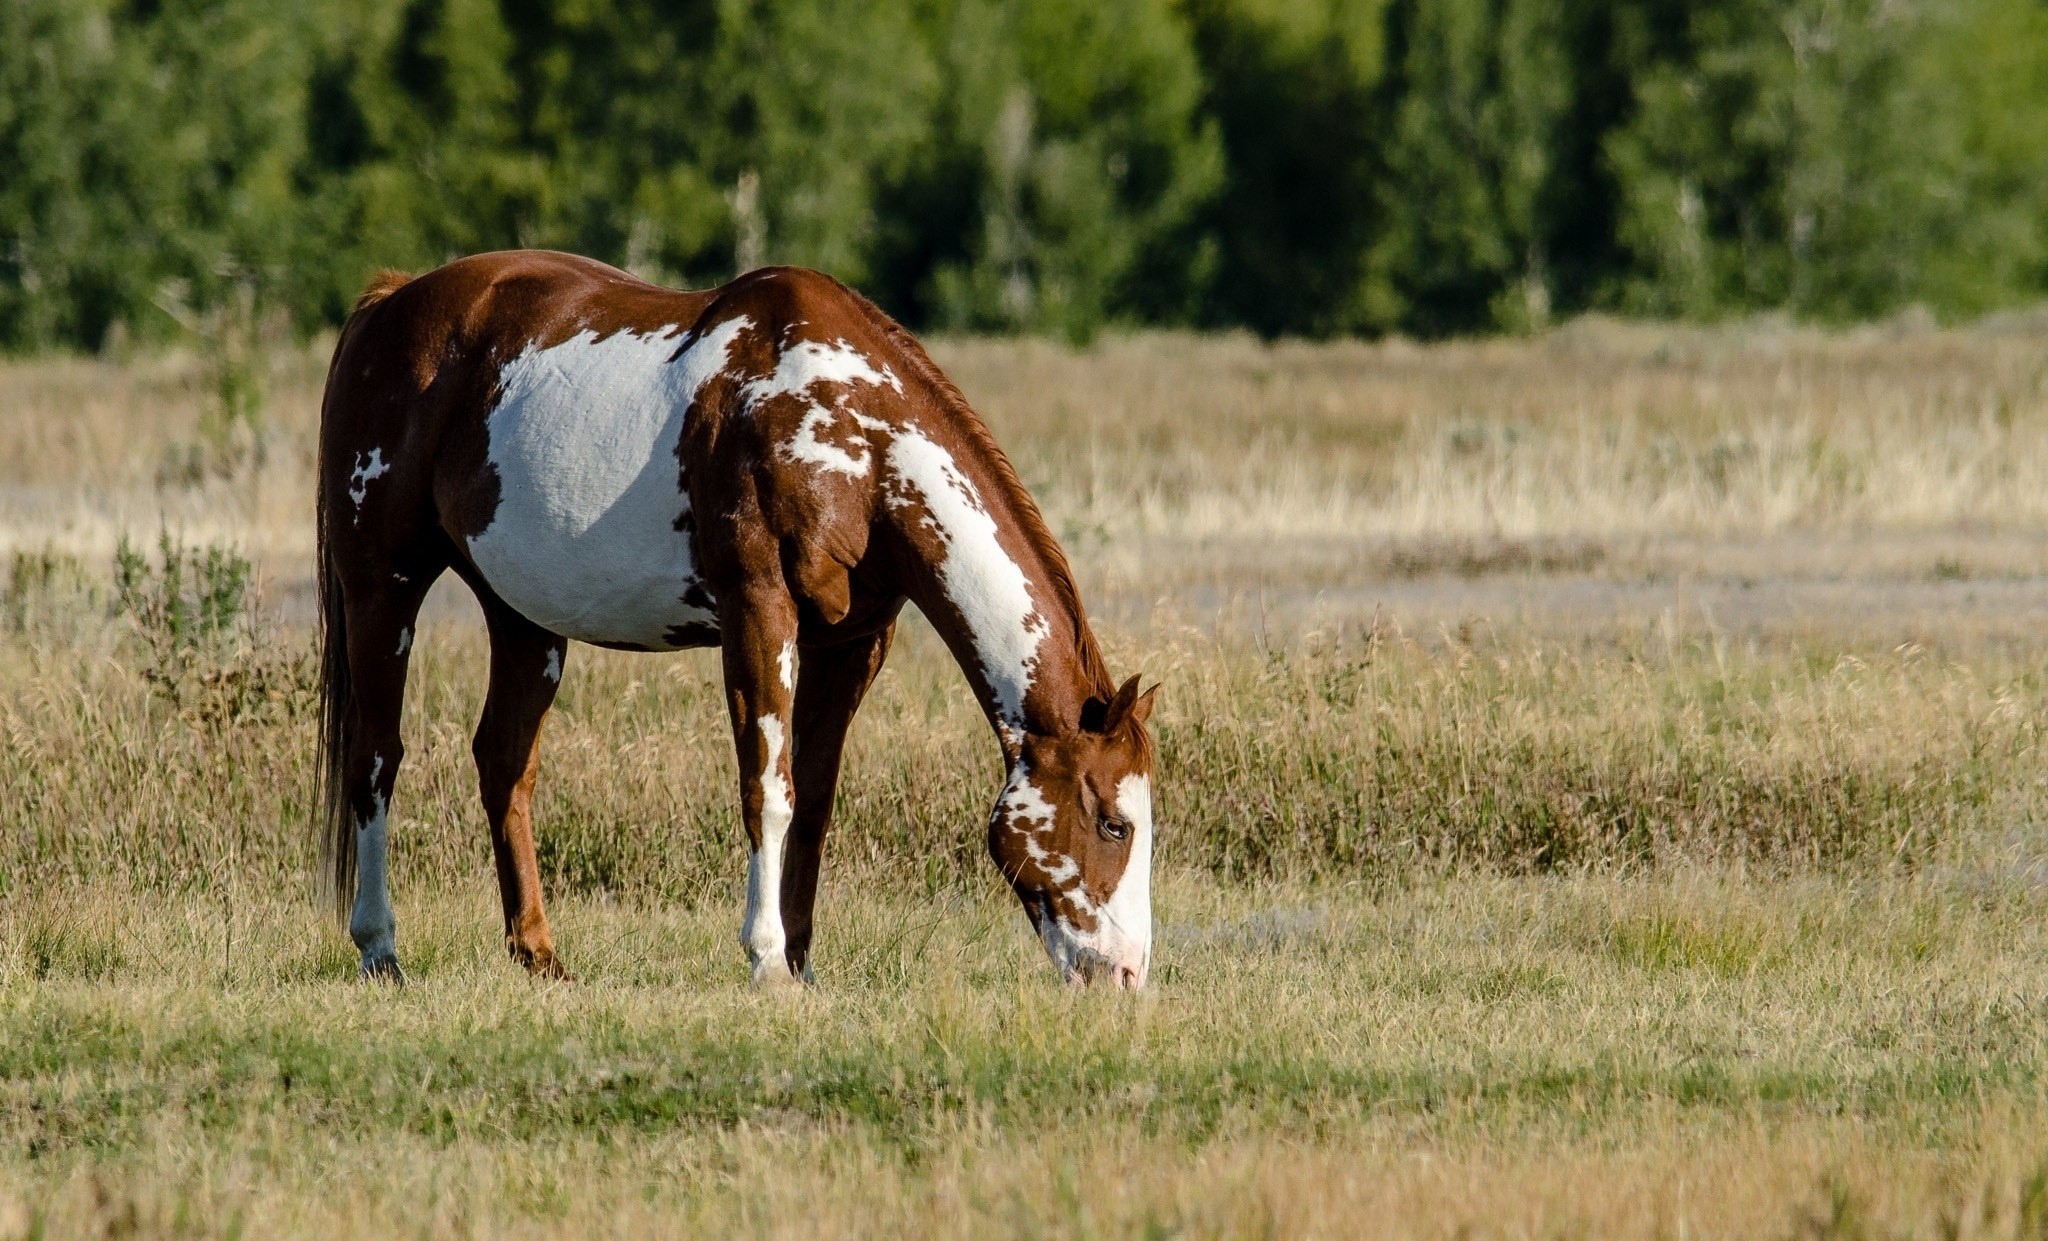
x: 773, y: 467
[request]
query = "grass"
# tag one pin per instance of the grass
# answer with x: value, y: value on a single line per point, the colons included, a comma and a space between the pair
x: 1514, y: 1055
x: 1597, y: 431
x: 1373, y: 758
x: 1600, y: 794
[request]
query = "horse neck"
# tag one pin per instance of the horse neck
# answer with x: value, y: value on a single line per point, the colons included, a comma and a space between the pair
x: 996, y: 587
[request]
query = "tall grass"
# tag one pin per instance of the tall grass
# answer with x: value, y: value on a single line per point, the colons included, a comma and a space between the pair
x: 1368, y: 755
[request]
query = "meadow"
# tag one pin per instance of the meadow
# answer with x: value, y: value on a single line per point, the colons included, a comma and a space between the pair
x: 1601, y: 793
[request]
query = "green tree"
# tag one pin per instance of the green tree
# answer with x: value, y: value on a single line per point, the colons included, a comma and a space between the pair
x: 148, y: 161
x: 1295, y: 90
x: 1077, y: 157
x: 1837, y: 158
x: 1478, y: 94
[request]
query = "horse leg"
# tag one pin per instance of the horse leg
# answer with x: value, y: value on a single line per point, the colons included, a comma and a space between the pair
x: 831, y: 681
x: 380, y: 629
x: 758, y: 624
x: 526, y: 670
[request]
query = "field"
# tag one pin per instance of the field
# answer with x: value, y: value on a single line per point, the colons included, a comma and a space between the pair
x: 1601, y: 792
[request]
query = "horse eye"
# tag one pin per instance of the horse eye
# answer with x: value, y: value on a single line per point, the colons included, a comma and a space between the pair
x: 1113, y: 829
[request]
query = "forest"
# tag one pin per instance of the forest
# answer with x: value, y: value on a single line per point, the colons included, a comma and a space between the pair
x: 1308, y: 168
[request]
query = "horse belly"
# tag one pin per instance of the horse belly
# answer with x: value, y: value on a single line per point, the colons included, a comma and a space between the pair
x: 590, y: 538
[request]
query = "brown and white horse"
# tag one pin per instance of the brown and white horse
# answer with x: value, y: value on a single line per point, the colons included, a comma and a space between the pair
x: 771, y: 468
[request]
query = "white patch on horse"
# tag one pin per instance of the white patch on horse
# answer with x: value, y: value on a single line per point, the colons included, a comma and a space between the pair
x: 404, y: 640
x: 1023, y: 801
x: 584, y: 440
x: 797, y: 369
x: 762, y: 932
x: 1030, y: 815
x: 369, y: 466
x: 785, y: 663
x: 982, y: 581
x: 370, y: 922
x: 552, y: 670
x: 1126, y: 933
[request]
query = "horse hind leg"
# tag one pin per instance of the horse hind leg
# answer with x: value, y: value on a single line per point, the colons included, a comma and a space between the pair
x: 526, y: 670
x: 379, y: 642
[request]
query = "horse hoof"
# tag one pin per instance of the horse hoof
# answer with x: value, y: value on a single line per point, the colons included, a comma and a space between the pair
x: 549, y: 968
x: 775, y: 977
x: 383, y: 969
x: 540, y: 963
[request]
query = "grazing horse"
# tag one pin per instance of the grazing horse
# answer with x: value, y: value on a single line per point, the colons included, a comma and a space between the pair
x: 772, y: 468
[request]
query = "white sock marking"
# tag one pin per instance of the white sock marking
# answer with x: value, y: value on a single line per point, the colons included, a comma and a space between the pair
x: 370, y: 922
x: 762, y: 932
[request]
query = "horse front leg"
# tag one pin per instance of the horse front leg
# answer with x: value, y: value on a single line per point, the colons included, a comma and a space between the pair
x: 830, y: 683
x: 757, y: 624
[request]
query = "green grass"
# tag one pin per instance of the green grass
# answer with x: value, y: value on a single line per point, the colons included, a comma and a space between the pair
x: 199, y: 1067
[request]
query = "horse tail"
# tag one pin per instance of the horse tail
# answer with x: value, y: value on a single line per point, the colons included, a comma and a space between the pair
x: 381, y: 286
x: 334, y: 826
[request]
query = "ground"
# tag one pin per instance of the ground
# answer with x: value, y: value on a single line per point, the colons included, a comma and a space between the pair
x: 1600, y: 793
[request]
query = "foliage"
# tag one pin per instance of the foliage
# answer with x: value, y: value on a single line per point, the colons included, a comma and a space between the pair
x: 1294, y: 166
x: 193, y: 611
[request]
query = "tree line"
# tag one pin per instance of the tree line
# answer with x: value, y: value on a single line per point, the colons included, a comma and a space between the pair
x: 1311, y: 167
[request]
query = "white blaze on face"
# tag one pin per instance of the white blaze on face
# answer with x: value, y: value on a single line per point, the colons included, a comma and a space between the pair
x: 1122, y: 938
x: 762, y: 933
x: 1124, y: 921
x: 584, y: 541
x: 979, y: 577
x: 797, y: 370
x: 370, y: 922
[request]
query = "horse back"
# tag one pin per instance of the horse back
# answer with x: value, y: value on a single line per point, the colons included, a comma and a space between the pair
x: 565, y: 430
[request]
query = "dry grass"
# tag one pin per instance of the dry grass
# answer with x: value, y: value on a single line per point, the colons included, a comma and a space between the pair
x: 1324, y: 758
x: 1601, y: 796
x: 1599, y: 430
x: 1693, y: 1054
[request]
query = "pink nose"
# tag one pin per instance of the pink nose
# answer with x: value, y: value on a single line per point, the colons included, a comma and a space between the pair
x: 1129, y: 977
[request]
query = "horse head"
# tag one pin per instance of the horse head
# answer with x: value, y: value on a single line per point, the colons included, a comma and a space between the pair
x: 1072, y: 832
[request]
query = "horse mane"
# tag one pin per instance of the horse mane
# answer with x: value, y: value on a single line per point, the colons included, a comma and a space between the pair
x: 1022, y: 506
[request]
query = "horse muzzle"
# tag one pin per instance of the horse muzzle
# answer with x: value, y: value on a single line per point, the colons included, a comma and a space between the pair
x: 1087, y: 958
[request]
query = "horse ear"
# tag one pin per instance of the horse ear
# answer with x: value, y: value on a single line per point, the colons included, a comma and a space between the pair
x: 1141, y: 710
x: 1120, y: 707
